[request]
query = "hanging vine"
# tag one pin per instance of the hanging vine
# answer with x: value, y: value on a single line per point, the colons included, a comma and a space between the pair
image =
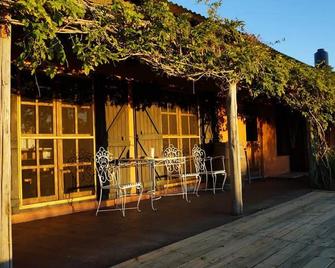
x: 212, y: 48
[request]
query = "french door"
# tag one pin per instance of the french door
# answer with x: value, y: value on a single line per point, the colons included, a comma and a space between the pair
x: 56, y: 145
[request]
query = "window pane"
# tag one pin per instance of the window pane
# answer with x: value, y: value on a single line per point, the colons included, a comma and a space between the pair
x: 165, y: 143
x: 68, y: 120
x: 45, y: 116
x: 85, y: 150
x: 29, y: 183
x: 85, y: 120
x: 194, y: 127
x: 47, y: 181
x: 46, y: 150
x: 70, y: 179
x: 194, y: 142
x: 173, y: 124
x: 28, y: 119
x: 86, y: 178
x: 174, y: 142
x: 28, y: 152
x: 184, y: 125
x: 186, y: 147
x: 69, y: 151
x: 165, y: 126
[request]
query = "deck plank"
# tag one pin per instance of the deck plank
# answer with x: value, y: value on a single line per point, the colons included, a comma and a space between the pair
x: 297, y: 233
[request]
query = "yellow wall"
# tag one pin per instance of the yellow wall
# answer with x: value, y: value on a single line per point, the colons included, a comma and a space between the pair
x: 273, y: 165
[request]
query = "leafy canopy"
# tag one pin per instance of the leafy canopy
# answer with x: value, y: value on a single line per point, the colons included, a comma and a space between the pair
x: 175, y: 44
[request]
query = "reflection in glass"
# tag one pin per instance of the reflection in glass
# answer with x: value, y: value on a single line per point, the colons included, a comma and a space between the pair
x: 194, y: 141
x: 86, y: 178
x: 29, y: 183
x: 165, y: 143
x: 174, y: 142
x: 70, y: 179
x: 45, y: 116
x: 173, y: 124
x: 68, y: 120
x: 28, y: 119
x: 85, y: 150
x: 186, y: 147
x: 47, y: 181
x: 46, y: 152
x: 165, y: 126
x: 69, y: 151
x: 85, y: 120
x: 28, y: 152
x: 184, y: 125
x: 194, y: 127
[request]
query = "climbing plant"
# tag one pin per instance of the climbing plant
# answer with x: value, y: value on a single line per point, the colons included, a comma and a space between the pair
x: 96, y: 33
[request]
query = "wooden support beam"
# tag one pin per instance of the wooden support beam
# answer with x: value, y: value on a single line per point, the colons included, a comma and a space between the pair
x: 132, y: 131
x: 234, y: 150
x: 5, y: 153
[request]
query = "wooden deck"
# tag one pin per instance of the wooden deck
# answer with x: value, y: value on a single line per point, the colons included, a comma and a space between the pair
x: 298, y: 233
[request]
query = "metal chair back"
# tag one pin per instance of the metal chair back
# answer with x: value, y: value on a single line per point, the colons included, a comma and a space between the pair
x: 107, y: 173
x: 173, y: 160
x: 199, y: 158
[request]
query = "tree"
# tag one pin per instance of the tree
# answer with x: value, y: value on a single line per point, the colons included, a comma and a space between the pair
x: 212, y: 48
x: 5, y: 149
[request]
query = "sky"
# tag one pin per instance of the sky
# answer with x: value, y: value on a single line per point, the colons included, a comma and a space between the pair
x: 301, y: 26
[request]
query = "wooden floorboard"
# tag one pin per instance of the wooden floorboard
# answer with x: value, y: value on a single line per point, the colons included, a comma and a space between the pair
x: 298, y: 233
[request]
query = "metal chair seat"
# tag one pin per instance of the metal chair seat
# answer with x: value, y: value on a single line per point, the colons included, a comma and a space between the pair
x: 175, y: 164
x: 130, y: 185
x: 109, y: 177
x: 216, y: 172
x: 199, y: 157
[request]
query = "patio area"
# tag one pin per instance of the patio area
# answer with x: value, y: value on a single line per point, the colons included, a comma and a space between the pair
x: 298, y: 233
x: 84, y: 240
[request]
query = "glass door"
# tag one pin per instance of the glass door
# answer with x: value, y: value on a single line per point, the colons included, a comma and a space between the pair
x: 56, y: 143
x: 76, y: 150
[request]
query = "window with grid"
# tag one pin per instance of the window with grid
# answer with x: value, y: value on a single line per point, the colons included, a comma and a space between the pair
x: 180, y: 127
x: 53, y: 139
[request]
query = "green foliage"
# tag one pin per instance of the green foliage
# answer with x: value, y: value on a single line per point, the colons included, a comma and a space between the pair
x: 324, y: 172
x: 214, y: 48
x: 42, y: 20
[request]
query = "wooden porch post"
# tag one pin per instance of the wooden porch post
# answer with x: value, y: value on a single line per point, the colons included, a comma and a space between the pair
x: 132, y: 130
x: 234, y: 150
x: 5, y: 158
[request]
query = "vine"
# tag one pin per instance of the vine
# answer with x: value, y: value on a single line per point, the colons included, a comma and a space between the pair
x: 212, y: 48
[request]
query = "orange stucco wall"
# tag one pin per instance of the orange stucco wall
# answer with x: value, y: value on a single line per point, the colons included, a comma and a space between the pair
x: 272, y: 163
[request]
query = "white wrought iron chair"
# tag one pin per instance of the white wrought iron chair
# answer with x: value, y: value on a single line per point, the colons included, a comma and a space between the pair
x: 200, y: 159
x: 175, y: 164
x: 109, y: 178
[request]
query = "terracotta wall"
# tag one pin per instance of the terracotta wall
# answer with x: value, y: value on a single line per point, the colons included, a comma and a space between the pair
x: 242, y: 139
x: 272, y: 163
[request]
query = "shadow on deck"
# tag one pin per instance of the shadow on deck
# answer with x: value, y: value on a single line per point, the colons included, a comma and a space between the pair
x: 84, y: 240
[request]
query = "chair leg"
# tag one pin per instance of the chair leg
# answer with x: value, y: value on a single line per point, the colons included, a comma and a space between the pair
x: 152, y: 202
x: 139, y: 199
x: 224, y: 181
x: 123, y: 206
x: 214, y: 183
x: 117, y: 196
x: 99, y: 203
x: 185, y: 187
x: 206, y: 188
x: 198, y: 185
